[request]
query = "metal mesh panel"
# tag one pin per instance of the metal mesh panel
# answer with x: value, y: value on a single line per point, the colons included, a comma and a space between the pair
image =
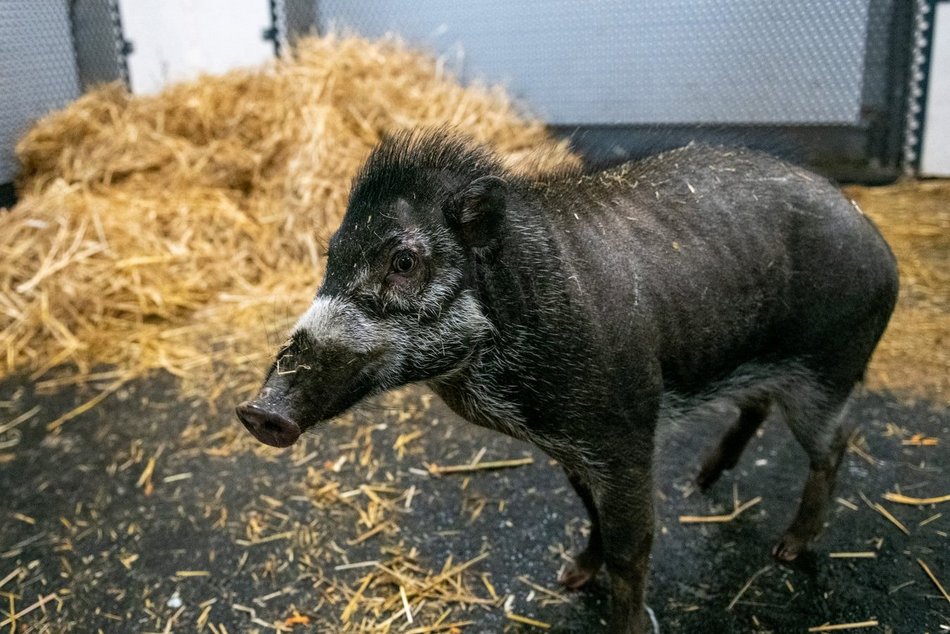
x: 292, y: 19
x: 646, y: 61
x: 37, y: 69
x: 876, y: 86
x: 100, y: 47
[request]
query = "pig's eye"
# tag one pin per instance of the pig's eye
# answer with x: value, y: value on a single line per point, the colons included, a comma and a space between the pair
x: 404, y: 262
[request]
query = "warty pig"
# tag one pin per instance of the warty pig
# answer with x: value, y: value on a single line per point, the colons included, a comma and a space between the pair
x: 582, y: 311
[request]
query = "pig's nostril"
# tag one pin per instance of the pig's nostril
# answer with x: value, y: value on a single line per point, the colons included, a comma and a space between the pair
x: 267, y: 426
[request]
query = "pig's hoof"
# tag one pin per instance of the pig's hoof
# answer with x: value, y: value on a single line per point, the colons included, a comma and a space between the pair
x: 789, y: 548
x: 712, y: 468
x: 708, y: 476
x: 580, y: 572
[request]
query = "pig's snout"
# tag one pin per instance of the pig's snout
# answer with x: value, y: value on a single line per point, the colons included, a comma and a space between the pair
x: 268, y: 426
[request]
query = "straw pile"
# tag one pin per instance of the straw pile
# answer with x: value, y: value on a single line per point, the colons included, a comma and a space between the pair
x: 182, y: 231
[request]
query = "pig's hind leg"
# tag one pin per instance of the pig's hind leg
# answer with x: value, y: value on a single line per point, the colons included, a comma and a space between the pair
x: 586, y: 563
x: 726, y: 454
x: 816, y: 418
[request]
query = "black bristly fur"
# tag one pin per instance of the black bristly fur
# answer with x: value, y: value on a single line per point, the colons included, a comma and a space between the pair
x: 583, y: 311
x: 408, y: 163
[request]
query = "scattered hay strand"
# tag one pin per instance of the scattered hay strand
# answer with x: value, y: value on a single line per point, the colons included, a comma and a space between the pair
x: 898, y: 498
x: 371, y: 533
x: 40, y: 603
x: 847, y: 503
x: 900, y: 587
x: 844, y: 626
x: 919, y: 440
x: 12, y: 575
x: 19, y: 420
x: 85, y: 407
x: 714, y: 519
x: 933, y: 578
x: 552, y: 596
x: 853, y: 447
x: 893, y: 520
x: 358, y: 564
x: 355, y: 599
x: 865, y: 554
x: 479, y: 466
x: 405, y: 605
x: 746, y: 586
x: 528, y: 621
x: 264, y: 540
x: 885, y: 513
x: 456, y: 626
x: 296, y: 619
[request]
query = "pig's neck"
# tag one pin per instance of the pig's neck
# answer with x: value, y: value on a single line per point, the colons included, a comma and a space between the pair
x: 523, y: 287
x: 518, y: 280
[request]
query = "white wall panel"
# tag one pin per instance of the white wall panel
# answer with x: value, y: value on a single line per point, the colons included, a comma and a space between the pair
x: 935, y: 147
x: 175, y: 40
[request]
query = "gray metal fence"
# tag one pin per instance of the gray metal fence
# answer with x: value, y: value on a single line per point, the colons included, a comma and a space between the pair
x: 37, y: 69
x: 822, y: 80
x: 650, y: 61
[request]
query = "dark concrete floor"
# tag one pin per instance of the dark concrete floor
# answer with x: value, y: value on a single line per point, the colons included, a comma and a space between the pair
x: 82, y: 518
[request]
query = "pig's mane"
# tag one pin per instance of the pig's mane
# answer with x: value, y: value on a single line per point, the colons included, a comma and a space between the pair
x: 412, y: 160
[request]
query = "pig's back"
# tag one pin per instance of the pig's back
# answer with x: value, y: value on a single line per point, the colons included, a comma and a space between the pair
x: 709, y: 257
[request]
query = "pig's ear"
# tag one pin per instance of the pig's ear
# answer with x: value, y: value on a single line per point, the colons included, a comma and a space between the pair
x: 476, y: 212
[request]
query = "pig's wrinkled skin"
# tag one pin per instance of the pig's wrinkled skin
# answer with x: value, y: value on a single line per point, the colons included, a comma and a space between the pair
x: 581, y: 312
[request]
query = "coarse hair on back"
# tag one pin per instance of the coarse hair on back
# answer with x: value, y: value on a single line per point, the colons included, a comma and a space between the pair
x: 416, y: 161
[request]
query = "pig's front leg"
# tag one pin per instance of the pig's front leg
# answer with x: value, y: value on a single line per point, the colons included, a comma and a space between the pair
x: 586, y: 563
x: 625, y: 510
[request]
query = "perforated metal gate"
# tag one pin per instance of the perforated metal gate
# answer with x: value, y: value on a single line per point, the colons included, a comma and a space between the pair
x: 630, y: 76
x: 653, y: 61
x: 37, y: 69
